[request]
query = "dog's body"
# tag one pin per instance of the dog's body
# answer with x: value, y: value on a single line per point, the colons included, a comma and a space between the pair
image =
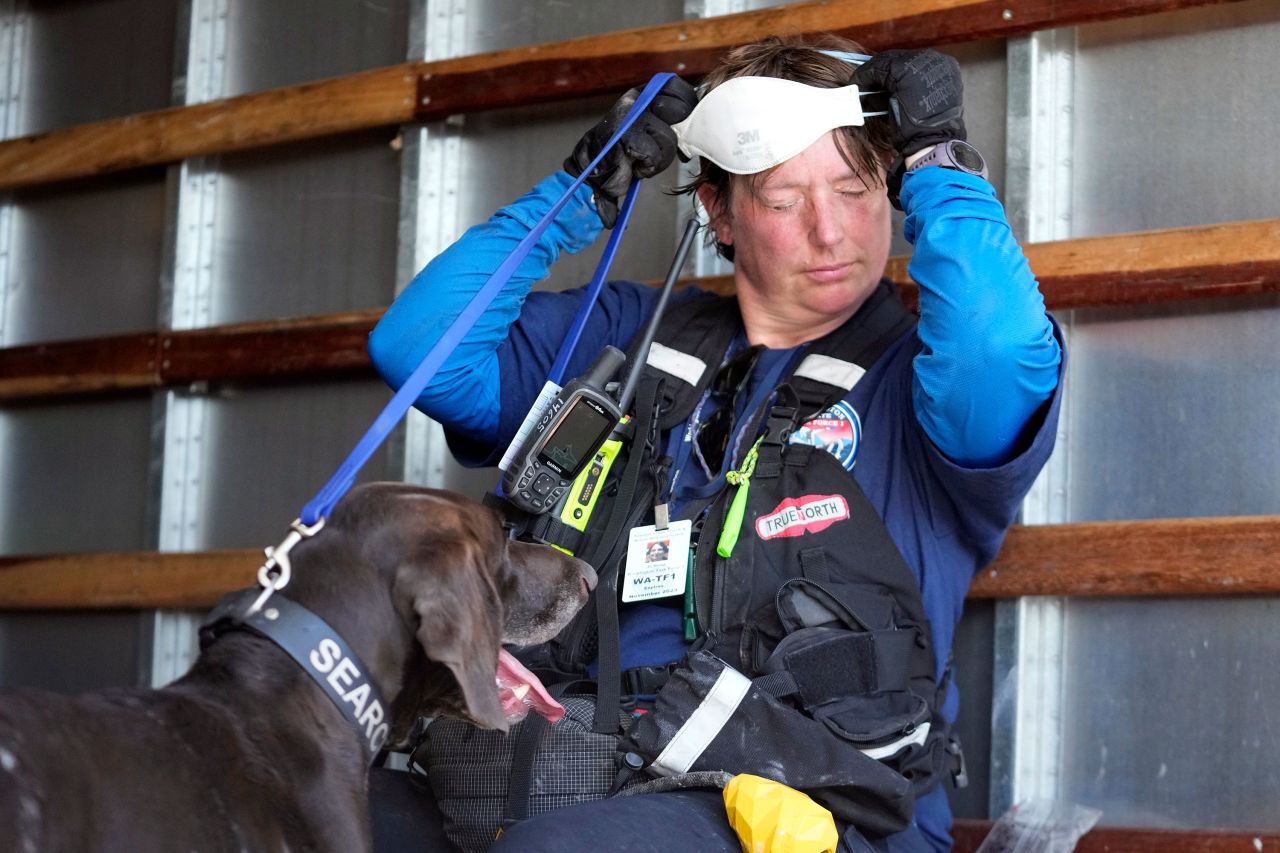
x: 246, y: 752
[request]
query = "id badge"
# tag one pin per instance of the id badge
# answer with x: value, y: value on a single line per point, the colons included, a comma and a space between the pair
x: 657, y: 561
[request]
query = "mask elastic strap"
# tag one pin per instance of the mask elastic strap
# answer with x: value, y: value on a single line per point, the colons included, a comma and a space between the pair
x: 857, y: 59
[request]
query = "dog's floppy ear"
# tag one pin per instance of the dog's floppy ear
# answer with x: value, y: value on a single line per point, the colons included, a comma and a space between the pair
x: 459, y: 613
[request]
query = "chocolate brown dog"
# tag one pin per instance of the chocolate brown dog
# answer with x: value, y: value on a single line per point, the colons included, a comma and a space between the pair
x: 246, y: 751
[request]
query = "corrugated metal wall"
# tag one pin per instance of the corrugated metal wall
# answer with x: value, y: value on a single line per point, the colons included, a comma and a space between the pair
x: 1166, y: 710
x: 1129, y: 706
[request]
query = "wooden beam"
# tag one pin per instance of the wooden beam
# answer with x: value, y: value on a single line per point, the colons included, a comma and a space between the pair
x: 1213, y: 556
x: 609, y: 62
x: 70, y: 368
x: 140, y: 580
x: 366, y: 100
x: 969, y: 834
x: 1153, y: 267
x: 312, y: 347
x: 614, y: 61
x: 1230, y: 260
x: 326, y: 346
x: 1187, y: 556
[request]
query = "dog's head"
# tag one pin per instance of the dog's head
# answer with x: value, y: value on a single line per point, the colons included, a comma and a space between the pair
x: 464, y: 589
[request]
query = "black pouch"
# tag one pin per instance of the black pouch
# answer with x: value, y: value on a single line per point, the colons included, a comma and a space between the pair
x: 850, y: 674
x: 470, y: 770
x: 709, y: 716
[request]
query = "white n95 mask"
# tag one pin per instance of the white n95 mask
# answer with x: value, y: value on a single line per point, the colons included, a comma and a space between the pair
x: 749, y: 124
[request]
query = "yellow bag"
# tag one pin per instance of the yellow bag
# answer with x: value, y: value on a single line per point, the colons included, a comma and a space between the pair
x: 770, y: 817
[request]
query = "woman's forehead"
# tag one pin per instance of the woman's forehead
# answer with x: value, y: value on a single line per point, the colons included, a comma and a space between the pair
x: 820, y: 164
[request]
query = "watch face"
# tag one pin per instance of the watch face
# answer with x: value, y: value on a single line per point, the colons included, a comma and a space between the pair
x: 968, y: 157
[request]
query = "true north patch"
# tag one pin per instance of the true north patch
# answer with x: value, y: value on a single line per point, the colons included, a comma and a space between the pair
x: 798, y: 516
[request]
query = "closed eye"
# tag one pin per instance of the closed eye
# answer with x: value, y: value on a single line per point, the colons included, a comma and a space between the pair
x: 779, y: 203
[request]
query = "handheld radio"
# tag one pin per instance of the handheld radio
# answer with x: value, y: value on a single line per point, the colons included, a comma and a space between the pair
x: 567, y: 436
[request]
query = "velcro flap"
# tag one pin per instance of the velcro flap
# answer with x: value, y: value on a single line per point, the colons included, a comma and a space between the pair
x: 841, y: 664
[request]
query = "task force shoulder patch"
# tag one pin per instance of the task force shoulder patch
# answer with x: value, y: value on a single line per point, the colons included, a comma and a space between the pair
x: 837, y: 430
x: 798, y: 516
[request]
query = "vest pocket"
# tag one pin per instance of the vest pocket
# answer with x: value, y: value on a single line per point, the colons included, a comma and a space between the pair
x: 805, y: 603
x: 877, y: 723
x: 850, y: 670
x: 893, y: 728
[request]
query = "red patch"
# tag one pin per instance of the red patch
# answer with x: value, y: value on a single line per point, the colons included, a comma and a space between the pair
x: 798, y: 516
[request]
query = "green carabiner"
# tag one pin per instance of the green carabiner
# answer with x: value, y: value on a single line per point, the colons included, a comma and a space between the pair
x: 738, y: 506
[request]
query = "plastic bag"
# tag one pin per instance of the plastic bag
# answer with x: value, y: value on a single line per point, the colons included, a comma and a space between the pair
x: 1040, y: 826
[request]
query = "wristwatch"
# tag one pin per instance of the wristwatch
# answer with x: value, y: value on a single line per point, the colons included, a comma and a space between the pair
x: 953, y: 154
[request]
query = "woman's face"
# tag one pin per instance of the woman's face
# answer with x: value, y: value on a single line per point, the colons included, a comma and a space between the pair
x: 810, y: 240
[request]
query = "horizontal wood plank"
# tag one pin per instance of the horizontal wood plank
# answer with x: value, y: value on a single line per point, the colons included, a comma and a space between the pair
x: 141, y: 580
x: 1229, y: 260
x: 1152, y: 267
x: 370, y: 99
x: 1201, y: 556
x: 614, y: 61
x: 71, y: 368
x: 969, y: 834
x: 326, y: 346
x: 609, y: 62
x: 1180, y: 557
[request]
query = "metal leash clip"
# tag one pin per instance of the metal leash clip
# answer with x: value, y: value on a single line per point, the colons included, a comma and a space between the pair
x: 276, y: 571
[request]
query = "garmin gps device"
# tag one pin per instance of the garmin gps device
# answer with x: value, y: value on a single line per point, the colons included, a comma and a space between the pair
x: 567, y: 436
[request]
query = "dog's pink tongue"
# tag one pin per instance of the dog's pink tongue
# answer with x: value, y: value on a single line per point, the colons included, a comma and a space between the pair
x: 520, y: 690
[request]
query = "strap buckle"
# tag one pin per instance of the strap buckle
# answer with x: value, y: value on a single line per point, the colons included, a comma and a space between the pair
x: 645, y: 680
x: 781, y: 423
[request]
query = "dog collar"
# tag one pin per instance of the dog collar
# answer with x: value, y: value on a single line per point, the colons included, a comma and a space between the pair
x: 315, y: 647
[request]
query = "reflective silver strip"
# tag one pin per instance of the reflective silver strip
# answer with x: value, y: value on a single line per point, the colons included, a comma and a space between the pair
x: 703, y: 724
x: 832, y: 371
x: 917, y: 737
x: 681, y: 365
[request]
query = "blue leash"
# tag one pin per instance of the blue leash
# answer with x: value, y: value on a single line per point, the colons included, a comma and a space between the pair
x: 556, y: 374
x: 593, y: 289
x: 322, y: 504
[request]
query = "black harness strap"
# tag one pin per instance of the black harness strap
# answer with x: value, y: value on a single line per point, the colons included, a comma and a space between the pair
x: 551, y: 530
x: 520, y: 785
x: 532, y: 733
x: 713, y: 323
x: 609, y: 654
x: 880, y: 321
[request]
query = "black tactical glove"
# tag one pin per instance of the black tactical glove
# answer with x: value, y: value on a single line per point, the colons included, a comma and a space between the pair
x: 926, y: 95
x: 647, y: 147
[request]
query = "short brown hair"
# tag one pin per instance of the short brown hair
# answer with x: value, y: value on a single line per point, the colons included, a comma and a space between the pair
x: 866, y: 149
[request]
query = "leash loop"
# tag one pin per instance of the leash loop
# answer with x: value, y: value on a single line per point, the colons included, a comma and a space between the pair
x: 276, y: 572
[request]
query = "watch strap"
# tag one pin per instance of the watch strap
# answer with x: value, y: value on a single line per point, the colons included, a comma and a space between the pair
x: 953, y: 154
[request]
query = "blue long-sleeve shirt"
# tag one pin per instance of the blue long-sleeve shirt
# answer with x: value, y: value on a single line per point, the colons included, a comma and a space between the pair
x: 989, y: 360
